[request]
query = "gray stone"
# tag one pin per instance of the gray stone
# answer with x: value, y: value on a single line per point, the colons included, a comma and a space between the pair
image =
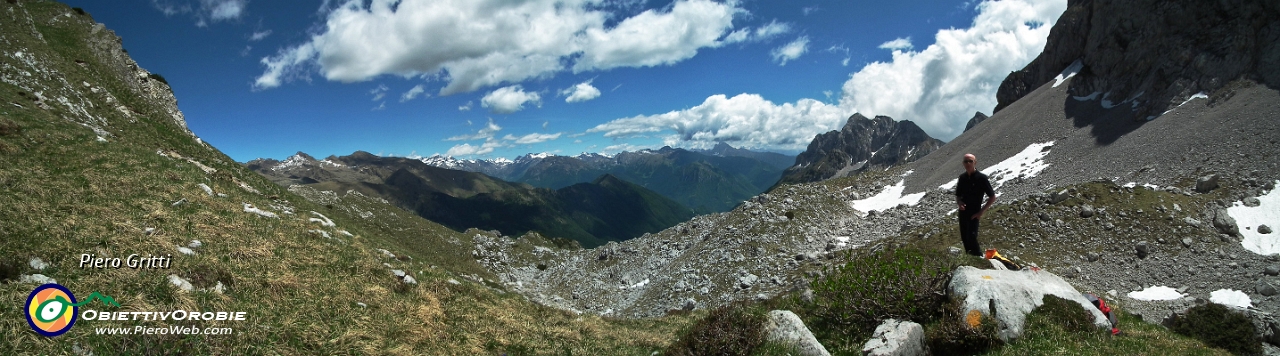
x: 747, y: 281
x: 1086, y: 211
x: 1091, y: 257
x: 1143, y: 249
x: 1252, y: 202
x: 1186, y: 242
x: 1008, y: 296
x: 1264, y: 229
x: 689, y: 304
x: 1207, y: 183
x: 896, y: 338
x: 1191, y: 221
x: 785, y: 327
x: 1225, y: 223
x: 1272, y: 271
x: 1059, y: 196
x: 1265, y: 289
x: 1044, y: 217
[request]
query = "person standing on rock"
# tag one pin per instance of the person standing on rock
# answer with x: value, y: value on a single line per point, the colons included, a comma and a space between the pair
x: 970, y: 189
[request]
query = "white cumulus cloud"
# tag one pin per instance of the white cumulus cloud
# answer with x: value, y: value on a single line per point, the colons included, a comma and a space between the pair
x: 413, y: 93
x: 477, y: 44
x: 580, y: 92
x: 467, y: 149
x: 791, y: 51
x: 941, y: 86
x: 745, y: 120
x: 899, y: 44
x: 509, y: 99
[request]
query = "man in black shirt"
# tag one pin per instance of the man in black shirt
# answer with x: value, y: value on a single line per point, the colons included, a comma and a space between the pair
x: 970, y: 189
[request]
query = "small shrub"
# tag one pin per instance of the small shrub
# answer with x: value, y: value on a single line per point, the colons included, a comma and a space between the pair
x: 904, y: 284
x: 158, y: 77
x: 8, y: 128
x: 729, y: 330
x: 1071, y: 316
x: 951, y: 335
x: 1218, y: 326
x: 9, y: 271
x: 78, y: 10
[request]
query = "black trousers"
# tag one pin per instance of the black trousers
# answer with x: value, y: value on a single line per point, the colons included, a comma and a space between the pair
x: 969, y: 233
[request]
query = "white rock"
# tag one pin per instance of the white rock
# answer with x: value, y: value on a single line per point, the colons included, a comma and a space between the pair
x: 398, y: 273
x: 195, y: 244
x: 205, y: 188
x: 180, y: 283
x: 249, y: 208
x: 38, y: 263
x: 896, y: 338
x: 219, y: 288
x: 186, y: 251
x: 362, y: 305
x: 453, y: 281
x: 785, y: 327
x: 409, y: 280
x: 1013, y: 294
x: 36, y: 278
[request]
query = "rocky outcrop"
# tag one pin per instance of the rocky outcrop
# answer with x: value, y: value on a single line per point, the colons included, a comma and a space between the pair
x: 784, y: 326
x: 1008, y: 296
x: 862, y: 144
x: 1154, y: 53
x: 978, y: 117
x: 896, y: 338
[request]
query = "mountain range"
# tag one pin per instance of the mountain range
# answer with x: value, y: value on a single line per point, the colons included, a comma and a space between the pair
x: 591, y: 213
x: 1116, y: 193
x: 708, y: 181
x: 862, y: 144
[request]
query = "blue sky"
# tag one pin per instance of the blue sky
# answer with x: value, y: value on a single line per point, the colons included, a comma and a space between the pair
x: 487, y: 79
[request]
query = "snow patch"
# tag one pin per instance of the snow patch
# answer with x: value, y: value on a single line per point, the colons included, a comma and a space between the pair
x: 1144, y: 185
x: 1231, y: 298
x: 1156, y: 293
x: 1067, y: 73
x: 1026, y: 164
x: 888, y: 198
x: 1266, y: 213
x: 1200, y: 95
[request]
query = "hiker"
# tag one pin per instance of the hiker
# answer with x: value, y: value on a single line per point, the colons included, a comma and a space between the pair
x: 970, y: 189
x: 1102, y: 306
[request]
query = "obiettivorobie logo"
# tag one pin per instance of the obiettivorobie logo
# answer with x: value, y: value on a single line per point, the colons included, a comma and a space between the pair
x: 52, y: 309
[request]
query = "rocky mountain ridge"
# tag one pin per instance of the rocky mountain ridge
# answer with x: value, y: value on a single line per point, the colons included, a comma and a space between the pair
x: 862, y: 144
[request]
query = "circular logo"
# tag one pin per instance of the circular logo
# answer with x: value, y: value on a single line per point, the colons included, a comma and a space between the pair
x: 51, y: 309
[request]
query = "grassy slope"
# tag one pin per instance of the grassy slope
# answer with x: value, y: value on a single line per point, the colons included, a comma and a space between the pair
x: 63, y: 194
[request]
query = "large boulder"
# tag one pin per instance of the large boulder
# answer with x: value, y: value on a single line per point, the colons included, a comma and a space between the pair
x: 896, y: 338
x: 1007, y: 296
x: 786, y: 327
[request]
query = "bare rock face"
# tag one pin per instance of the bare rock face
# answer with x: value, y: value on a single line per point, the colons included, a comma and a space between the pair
x: 978, y: 117
x: 1156, y: 53
x: 862, y: 144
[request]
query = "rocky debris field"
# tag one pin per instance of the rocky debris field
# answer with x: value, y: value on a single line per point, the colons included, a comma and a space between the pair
x: 1103, y: 237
